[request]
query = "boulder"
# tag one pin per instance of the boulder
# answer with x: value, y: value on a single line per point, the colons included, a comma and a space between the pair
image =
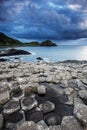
x: 47, y: 106
x: 70, y: 123
x: 11, y: 107
x: 28, y: 103
x: 11, y: 52
x: 80, y: 111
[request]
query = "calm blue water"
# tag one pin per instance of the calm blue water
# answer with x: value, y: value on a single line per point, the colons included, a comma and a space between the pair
x: 54, y: 54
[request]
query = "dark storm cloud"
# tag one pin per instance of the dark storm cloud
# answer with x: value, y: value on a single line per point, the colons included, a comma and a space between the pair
x: 51, y: 19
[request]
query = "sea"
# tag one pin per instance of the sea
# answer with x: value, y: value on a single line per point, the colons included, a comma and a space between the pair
x: 66, y: 50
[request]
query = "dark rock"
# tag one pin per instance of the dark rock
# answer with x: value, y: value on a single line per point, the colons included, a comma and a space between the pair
x: 1, y: 121
x: 39, y: 58
x: 3, y: 60
x: 34, y: 115
x: 51, y: 119
x: 11, y: 107
x: 17, y: 94
x: 11, y: 52
x: 48, y: 43
x: 47, y: 106
x: 16, y: 118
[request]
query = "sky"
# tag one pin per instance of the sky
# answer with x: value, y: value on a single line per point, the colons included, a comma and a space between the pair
x: 41, y: 19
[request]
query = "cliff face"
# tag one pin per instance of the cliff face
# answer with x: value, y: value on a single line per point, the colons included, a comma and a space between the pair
x: 7, y: 41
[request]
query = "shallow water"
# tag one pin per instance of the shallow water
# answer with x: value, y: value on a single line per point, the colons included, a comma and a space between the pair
x: 53, y: 54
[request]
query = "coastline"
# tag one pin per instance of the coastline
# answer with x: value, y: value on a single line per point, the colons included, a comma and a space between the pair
x: 66, y: 82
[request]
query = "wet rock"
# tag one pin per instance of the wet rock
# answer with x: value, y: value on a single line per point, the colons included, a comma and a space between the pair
x: 80, y: 111
x: 28, y: 125
x: 27, y: 103
x: 51, y: 119
x: 11, y: 107
x: 63, y: 98
x: 41, y: 90
x: 47, y: 106
x: 4, y: 94
x: 34, y: 115
x: 70, y: 123
x: 1, y: 121
x: 14, y: 120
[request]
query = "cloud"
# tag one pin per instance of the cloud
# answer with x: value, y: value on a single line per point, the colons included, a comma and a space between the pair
x: 54, y: 19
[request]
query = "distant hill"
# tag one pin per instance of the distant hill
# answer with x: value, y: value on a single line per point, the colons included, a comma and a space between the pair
x: 7, y: 41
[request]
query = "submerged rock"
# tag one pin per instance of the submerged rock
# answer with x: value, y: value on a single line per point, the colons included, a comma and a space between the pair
x: 47, y: 106
x: 51, y: 119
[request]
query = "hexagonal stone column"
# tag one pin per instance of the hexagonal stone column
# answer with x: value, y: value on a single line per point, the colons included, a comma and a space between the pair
x: 41, y: 90
x: 28, y: 125
x: 4, y: 94
x: 47, y: 106
x: 14, y: 120
x: 11, y: 107
x: 28, y: 103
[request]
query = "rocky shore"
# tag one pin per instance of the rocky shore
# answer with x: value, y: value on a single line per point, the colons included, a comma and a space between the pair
x: 43, y: 96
